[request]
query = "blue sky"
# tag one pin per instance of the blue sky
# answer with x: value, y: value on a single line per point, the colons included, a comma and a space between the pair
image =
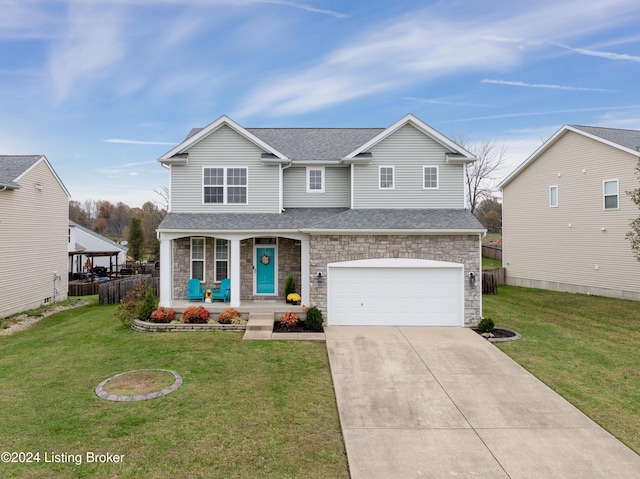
x: 104, y: 87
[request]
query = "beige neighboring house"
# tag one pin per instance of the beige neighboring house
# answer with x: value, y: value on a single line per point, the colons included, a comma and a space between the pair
x: 566, y: 214
x: 34, y: 224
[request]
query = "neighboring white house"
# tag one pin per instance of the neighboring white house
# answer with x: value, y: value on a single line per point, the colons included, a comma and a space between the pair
x: 566, y: 213
x: 34, y: 220
x: 89, y: 248
x: 370, y: 222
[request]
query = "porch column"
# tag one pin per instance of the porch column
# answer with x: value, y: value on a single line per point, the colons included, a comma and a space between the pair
x: 235, y: 273
x: 166, y: 268
x: 304, y: 271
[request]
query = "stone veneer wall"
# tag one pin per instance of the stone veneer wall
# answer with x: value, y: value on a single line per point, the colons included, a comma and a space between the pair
x: 452, y: 248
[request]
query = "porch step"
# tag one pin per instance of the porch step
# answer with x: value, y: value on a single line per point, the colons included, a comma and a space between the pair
x: 260, y: 325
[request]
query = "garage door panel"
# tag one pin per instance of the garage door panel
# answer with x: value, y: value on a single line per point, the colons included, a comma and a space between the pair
x: 395, y: 296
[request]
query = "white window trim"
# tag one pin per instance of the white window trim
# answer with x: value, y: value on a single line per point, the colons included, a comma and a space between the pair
x: 551, y: 205
x: 308, y: 173
x: 204, y: 258
x: 393, y: 177
x: 437, y: 177
x: 216, y: 260
x: 604, y: 195
x: 224, y: 185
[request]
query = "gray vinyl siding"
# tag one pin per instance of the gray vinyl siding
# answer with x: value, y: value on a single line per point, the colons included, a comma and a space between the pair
x: 336, y: 188
x: 564, y: 247
x: 33, y: 241
x: 409, y: 150
x: 224, y: 148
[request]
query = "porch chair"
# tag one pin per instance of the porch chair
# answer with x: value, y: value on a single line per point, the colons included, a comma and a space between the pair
x: 223, y: 292
x: 194, y: 290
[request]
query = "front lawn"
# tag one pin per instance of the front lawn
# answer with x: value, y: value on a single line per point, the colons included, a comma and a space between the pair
x: 247, y: 409
x: 583, y: 347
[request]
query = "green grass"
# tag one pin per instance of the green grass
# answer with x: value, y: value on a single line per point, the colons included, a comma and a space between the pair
x: 247, y: 409
x: 583, y: 347
x: 488, y: 263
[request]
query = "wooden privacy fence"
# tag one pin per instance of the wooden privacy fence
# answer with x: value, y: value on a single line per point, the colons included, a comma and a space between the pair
x: 492, y: 251
x: 492, y: 278
x: 83, y: 289
x: 112, y: 292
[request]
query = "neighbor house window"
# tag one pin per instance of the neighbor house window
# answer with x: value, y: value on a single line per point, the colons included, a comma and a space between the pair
x: 315, y: 180
x: 225, y: 185
x: 221, y: 260
x: 553, y: 196
x: 197, y: 258
x: 430, y: 177
x: 610, y: 194
x: 385, y: 174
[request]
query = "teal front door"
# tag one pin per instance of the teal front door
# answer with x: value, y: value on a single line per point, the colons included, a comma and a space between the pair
x: 266, y: 270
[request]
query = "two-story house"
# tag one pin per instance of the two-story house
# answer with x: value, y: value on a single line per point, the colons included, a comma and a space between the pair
x: 566, y: 214
x: 34, y: 212
x: 370, y: 222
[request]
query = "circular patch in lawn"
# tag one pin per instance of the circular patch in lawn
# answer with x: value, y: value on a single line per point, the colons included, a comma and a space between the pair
x: 139, y: 385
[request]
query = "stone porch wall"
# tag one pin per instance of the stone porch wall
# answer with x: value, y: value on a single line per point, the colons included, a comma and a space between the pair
x: 182, y: 265
x: 452, y: 248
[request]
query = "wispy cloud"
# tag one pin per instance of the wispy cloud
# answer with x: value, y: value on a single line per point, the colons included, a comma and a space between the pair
x: 544, y: 85
x: 305, y: 7
x: 541, y: 113
x: 607, y: 55
x: 136, y: 142
x: 437, y: 101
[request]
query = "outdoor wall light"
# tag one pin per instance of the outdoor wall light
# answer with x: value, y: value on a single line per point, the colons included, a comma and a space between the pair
x: 319, y: 278
x: 472, y: 278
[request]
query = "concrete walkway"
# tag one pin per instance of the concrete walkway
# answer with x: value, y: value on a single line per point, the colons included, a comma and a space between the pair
x: 445, y: 403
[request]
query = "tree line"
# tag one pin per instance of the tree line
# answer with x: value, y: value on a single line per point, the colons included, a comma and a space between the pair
x: 119, y: 223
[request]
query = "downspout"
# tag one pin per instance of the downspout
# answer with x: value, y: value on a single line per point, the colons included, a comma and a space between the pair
x: 281, y: 185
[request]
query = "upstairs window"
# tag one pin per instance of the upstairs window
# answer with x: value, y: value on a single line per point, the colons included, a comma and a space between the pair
x: 385, y: 177
x: 553, y: 196
x: 610, y: 188
x: 315, y: 180
x: 430, y: 178
x: 225, y: 185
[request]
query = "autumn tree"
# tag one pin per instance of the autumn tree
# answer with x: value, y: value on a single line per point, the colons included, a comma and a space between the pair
x: 481, y: 175
x: 136, y: 239
x: 78, y: 214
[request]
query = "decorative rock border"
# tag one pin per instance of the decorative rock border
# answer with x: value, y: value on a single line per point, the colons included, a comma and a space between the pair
x: 145, y: 326
x: 515, y: 337
x: 100, y: 392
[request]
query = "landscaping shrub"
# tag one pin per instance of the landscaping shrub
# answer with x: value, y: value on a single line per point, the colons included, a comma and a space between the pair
x: 195, y: 315
x: 289, y: 286
x: 130, y: 305
x: 228, y: 315
x: 238, y: 320
x: 163, y: 315
x: 289, y: 319
x: 148, y: 305
x: 486, y: 325
x: 314, y: 319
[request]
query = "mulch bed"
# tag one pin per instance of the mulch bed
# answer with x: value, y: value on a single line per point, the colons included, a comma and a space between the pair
x: 501, y: 334
x: 300, y: 328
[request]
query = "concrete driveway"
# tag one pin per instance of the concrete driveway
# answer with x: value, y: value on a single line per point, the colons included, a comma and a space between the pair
x: 445, y: 403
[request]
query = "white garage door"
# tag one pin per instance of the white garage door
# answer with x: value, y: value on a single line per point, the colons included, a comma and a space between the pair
x: 395, y: 292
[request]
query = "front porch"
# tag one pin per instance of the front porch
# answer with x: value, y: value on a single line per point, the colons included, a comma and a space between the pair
x: 257, y: 266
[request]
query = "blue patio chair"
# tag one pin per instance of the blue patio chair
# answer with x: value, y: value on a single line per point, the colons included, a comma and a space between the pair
x: 194, y: 290
x: 223, y: 292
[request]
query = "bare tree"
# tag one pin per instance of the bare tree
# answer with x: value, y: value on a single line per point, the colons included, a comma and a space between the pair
x: 163, y: 193
x: 480, y: 175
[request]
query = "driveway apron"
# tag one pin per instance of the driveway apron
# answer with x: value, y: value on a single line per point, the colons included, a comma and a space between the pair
x: 431, y: 402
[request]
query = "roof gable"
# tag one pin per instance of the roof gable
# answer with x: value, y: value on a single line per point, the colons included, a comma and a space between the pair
x: 14, y: 167
x: 177, y: 154
x: 460, y: 154
x: 625, y: 140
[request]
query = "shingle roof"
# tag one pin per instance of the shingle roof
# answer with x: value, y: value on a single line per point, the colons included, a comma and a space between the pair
x: 627, y: 138
x: 326, y: 219
x: 12, y: 166
x: 312, y: 143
